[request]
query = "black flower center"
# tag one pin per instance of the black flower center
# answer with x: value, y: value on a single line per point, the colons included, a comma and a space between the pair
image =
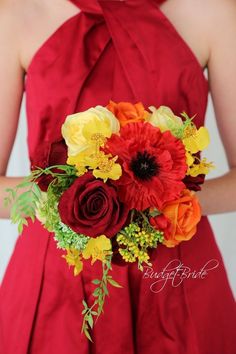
x: 144, y: 166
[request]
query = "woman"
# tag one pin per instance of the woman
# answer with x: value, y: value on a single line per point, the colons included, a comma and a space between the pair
x: 134, y: 50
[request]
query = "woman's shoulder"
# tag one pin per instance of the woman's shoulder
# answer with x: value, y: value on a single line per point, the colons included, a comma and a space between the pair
x: 13, y: 14
x: 201, y: 23
x: 31, y: 22
x: 207, y: 15
x: 219, y: 19
x: 10, y: 18
x: 9, y: 9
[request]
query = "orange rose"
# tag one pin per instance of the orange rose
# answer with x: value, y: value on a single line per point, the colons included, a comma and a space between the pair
x: 184, y: 214
x: 126, y: 112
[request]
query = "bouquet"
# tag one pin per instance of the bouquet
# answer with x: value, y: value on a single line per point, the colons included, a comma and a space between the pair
x: 120, y: 182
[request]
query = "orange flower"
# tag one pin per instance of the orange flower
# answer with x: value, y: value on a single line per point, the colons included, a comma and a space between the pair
x: 126, y: 112
x: 184, y: 214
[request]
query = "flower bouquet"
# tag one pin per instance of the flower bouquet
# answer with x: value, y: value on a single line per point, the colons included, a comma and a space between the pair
x: 120, y: 182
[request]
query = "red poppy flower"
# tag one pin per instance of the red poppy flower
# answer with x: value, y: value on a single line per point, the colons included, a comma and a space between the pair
x: 153, y: 165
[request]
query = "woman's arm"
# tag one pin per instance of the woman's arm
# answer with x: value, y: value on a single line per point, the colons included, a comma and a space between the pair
x: 218, y: 195
x: 11, y: 90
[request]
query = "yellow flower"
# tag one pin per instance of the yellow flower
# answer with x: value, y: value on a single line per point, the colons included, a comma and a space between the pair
x: 83, y: 160
x: 97, y: 248
x: 203, y: 167
x: 164, y: 118
x: 196, y: 139
x: 85, y: 129
x: 112, y: 171
x: 73, y: 258
x: 103, y: 165
x: 189, y: 159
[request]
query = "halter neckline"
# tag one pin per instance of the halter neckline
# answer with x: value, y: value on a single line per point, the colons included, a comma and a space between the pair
x: 93, y: 6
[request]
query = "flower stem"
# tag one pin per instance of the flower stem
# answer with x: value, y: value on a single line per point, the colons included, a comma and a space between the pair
x: 144, y: 217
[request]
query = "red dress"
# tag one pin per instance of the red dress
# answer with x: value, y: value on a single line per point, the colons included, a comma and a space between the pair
x: 125, y: 51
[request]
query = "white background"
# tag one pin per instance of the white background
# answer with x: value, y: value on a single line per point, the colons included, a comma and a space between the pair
x: 224, y: 225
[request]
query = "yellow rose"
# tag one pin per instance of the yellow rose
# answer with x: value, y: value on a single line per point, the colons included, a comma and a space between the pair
x: 79, y: 129
x: 164, y: 118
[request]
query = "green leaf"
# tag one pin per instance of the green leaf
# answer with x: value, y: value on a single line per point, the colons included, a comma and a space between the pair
x: 24, y: 194
x: 6, y: 202
x: 24, y: 222
x: 20, y: 228
x: 90, y: 321
x: 12, y: 192
x: 96, y: 281
x: 100, y: 309
x: 37, y: 190
x: 114, y: 283
x: 108, y: 264
x: 15, y: 217
x: 86, y: 332
x: 105, y: 289
x: 24, y: 184
x: 35, y: 198
x: 8, y: 190
x: 85, y: 304
x: 96, y: 292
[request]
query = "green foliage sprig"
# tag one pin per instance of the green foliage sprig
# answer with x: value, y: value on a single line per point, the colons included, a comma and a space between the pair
x: 92, y: 313
x: 25, y: 204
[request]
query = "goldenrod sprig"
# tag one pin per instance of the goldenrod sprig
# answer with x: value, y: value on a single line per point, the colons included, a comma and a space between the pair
x: 137, y: 238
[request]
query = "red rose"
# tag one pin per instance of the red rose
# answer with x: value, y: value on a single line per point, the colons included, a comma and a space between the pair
x: 194, y: 183
x: 91, y: 207
x: 57, y: 155
x: 161, y: 223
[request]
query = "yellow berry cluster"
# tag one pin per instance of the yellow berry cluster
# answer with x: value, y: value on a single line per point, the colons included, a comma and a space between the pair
x: 132, y: 252
x: 135, y: 243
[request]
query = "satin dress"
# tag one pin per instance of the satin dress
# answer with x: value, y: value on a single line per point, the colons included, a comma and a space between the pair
x: 125, y: 51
